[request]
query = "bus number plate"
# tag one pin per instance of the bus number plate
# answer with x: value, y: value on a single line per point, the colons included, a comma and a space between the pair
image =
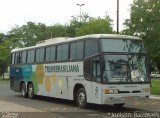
x: 129, y: 98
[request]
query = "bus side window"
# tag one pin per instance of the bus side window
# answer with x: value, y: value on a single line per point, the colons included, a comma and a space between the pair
x: 16, y: 57
x: 13, y: 58
x: 91, y: 47
x: 37, y: 55
x: 73, y: 50
x: 92, y: 70
x: 76, y: 50
x: 40, y: 55
x: 59, y: 52
x: 79, y: 50
x: 24, y: 57
x: 88, y: 69
x: 65, y: 51
x: 50, y: 53
x: 30, y: 56
x: 20, y: 58
x: 96, y: 71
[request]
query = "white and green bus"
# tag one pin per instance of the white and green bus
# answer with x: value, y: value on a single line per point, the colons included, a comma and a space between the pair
x: 97, y: 68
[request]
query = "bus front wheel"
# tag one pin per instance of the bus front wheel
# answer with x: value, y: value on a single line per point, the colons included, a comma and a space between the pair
x: 119, y: 105
x: 23, y: 90
x: 30, y: 91
x: 81, y: 98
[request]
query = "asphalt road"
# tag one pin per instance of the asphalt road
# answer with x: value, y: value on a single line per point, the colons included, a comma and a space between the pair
x: 56, y: 108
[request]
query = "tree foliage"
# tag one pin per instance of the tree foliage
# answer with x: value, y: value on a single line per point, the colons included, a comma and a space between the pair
x: 96, y: 26
x: 2, y: 37
x: 57, y: 30
x: 144, y: 22
x: 4, y: 56
x: 76, y: 24
x: 3, y: 66
x: 30, y: 33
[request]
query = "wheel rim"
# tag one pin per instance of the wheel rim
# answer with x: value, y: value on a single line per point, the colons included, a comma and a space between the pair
x: 81, y: 98
x: 30, y: 92
x: 23, y: 91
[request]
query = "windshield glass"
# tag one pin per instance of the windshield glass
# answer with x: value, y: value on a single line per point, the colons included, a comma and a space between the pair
x: 125, y: 68
x: 122, y: 45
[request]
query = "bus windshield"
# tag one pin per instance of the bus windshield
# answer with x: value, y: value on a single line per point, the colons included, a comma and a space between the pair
x: 125, y: 68
x: 125, y: 61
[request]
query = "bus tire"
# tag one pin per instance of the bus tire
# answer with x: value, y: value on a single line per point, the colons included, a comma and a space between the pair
x: 23, y: 90
x: 30, y: 91
x: 120, y: 105
x: 81, y: 98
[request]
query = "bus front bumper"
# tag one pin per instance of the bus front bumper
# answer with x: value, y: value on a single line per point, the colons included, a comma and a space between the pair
x: 124, y: 98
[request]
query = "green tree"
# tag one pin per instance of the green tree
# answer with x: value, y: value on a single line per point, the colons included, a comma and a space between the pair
x: 4, y: 56
x: 96, y: 26
x: 75, y: 24
x: 144, y: 22
x: 30, y: 34
x: 57, y: 30
x: 2, y: 37
x: 3, y: 67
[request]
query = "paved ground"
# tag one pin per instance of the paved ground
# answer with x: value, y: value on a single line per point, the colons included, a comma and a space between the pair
x: 12, y: 107
x: 56, y: 108
x: 155, y: 97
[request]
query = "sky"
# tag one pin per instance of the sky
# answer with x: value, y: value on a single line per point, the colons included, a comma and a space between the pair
x: 50, y: 12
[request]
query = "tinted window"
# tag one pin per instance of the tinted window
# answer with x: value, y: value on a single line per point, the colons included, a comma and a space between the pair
x: 48, y: 49
x: 13, y: 56
x: 91, y: 47
x: 40, y: 55
x: 50, y: 53
x: 30, y: 56
x: 73, y: 51
x: 37, y: 55
x: 65, y: 52
x: 122, y: 45
x: 20, y: 57
x: 96, y: 70
x: 16, y: 58
x: 87, y: 69
x: 62, y: 52
x: 76, y: 50
x: 24, y: 57
x: 59, y: 52
x: 79, y: 50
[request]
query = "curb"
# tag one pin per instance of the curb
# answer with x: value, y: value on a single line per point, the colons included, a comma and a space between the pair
x: 154, y: 97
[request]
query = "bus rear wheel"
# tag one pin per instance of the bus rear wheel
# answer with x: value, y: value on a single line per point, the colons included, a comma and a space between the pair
x: 81, y: 98
x: 30, y: 91
x: 23, y: 90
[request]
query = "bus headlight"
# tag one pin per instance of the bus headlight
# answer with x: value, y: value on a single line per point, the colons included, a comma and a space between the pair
x: 109, y: 91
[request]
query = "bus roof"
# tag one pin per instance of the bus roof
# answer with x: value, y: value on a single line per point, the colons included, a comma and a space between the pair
x: 68, y: 39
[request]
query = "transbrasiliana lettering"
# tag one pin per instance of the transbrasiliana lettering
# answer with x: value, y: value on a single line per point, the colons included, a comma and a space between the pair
x: 62, y: 68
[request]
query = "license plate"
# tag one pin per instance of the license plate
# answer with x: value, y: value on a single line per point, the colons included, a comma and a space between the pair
x: 129, y: 98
